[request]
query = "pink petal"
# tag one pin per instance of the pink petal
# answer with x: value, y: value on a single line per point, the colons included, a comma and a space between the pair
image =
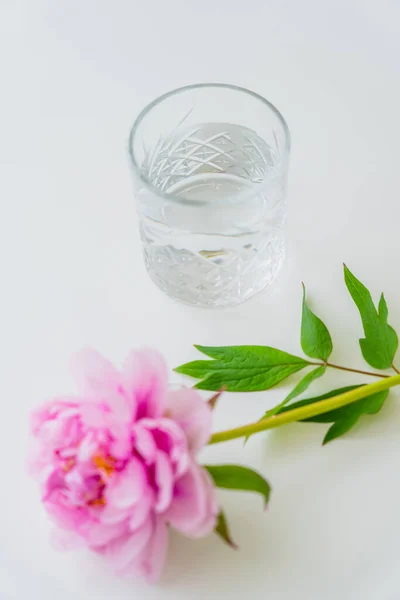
x: 100, y: 535
x: 141, y: 511
x: 187, y: 408
x: 111, y: 515
x: 99, y: 380
x: 51, y: 410
x: 64, y: 515
x: 94, y: 374
x: 54, y: 481
x: 129, y: 547
x: 145, y: 381
x: 75, y: 483
x: 127, y: 487
x: 60, y: 426
x: 87, y: 448
x: 38, y: 461
x: 193, y: 509
x: 170, y: 438
x: 164, y: 481
x: 210, y: 520
x: 121, y: 446
x: 95, y: 415
x: 64, y: 541
x: 144, y: 443
x: 152, y: 565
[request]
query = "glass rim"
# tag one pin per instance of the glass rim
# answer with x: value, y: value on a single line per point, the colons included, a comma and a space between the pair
x: 181, y: 200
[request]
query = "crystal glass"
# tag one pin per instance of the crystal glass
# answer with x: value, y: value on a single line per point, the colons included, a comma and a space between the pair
x: 210, y: 167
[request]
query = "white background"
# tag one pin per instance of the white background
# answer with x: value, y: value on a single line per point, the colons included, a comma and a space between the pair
x: 74, y: 73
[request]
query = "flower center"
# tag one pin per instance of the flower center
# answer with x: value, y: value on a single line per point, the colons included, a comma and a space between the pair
x: 104, y: 463
x: 97, y: 502
x: 106, y: 466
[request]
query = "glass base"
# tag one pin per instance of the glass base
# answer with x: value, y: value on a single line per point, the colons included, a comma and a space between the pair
x: 215, y: 279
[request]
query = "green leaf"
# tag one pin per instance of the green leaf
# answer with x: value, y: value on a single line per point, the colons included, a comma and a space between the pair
x: 222, y: 530
x: 374, y: 403
x: 343, y: 418
x: 259, y: 355
x: 242, y: 368
x: 297, y: 390
x: 235, y: 477
x: 247, y: 380
x: 197, y: 368
x: 340, y: 427
x: 315, y: 338
x: 380, y: 343
x: 329, y: 416
x: 383, y: 309
x: 305, y: 383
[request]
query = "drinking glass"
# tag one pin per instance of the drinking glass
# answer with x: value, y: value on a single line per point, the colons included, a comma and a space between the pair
x: 210, y: 165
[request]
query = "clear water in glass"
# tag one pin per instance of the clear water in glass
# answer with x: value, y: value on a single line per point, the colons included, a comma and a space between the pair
x: 212, y: 218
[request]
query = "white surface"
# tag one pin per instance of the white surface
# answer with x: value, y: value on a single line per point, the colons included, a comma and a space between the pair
x: 73, y: 76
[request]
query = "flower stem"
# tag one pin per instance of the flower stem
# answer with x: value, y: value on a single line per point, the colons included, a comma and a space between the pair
x: 358, y: 370
x: 305, y: 412
x: 395, y: 369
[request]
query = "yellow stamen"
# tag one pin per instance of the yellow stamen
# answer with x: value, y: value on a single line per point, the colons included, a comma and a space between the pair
x: 104, y: 463
x: 70, y: 463
x: 98, y: 502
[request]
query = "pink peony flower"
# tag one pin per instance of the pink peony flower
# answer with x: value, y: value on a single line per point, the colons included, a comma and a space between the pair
x: 118, y: 465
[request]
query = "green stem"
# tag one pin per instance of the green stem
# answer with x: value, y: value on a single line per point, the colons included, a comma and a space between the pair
x: 358, y: 370
x: 305, y: 412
